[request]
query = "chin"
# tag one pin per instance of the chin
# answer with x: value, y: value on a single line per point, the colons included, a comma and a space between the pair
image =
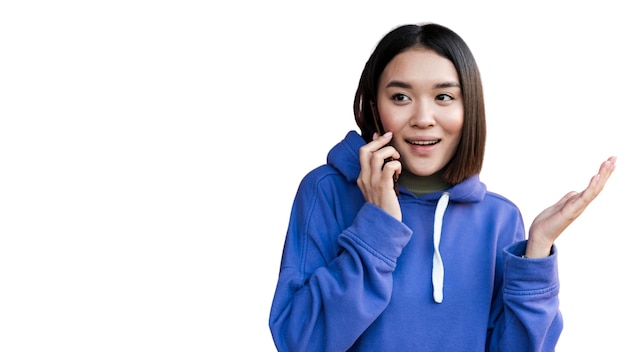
x: 424, y: 170
x: 424, y: 167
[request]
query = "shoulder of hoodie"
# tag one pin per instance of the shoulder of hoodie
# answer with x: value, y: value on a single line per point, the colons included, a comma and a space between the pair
x: 315, y: 178
x: 502, y: 200
x: 342, y: 165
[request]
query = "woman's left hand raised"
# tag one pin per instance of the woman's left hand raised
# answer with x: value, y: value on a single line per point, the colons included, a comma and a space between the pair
x: 551, y: 222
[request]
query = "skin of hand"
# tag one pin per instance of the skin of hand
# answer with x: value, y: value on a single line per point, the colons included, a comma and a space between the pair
x: 376, y: 177
x: 551, y: 222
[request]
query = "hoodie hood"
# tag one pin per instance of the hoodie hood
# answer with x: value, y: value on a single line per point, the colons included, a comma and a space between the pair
x: 344, y: 157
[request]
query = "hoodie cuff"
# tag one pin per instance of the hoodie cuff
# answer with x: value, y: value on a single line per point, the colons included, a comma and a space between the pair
x: 529, y: 274
x: 380, y: 232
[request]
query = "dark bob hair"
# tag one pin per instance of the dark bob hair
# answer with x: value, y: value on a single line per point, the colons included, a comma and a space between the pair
x: 468, y: 159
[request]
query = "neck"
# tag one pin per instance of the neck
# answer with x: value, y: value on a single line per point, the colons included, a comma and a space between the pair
x: 420, y: 185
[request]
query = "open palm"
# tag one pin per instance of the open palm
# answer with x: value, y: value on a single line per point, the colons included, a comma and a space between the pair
x: 551, y: 222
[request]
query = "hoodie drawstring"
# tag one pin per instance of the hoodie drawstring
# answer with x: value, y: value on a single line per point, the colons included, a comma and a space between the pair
x: 442, y: 204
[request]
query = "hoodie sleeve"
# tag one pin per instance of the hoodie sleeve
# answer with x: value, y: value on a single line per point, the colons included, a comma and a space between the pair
x: 530, y: 319
x: 336, y: 271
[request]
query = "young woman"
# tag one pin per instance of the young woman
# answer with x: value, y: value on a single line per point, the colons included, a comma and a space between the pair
x: 396, y: 245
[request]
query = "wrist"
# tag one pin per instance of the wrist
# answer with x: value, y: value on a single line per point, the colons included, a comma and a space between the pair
x: 537, y: 249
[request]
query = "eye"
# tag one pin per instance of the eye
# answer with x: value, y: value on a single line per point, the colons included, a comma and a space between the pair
x: 444, y: 97
x: 399, y: 97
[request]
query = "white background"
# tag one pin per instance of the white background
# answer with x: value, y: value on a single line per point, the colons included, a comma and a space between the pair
x: 150, y: 151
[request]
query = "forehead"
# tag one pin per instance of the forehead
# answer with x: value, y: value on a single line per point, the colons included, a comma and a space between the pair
x: 419, y: 65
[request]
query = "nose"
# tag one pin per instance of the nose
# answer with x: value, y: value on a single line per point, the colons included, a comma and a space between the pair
x: 422, y: 115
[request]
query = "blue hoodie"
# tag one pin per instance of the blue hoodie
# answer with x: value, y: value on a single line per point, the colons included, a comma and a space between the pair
x: 354, y: 278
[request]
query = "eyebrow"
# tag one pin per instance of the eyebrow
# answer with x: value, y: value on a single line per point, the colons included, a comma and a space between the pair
x: 405, y: 85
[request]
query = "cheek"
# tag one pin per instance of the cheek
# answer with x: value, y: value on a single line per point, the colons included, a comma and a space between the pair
x: 453, y: 123
x: 393, y: 119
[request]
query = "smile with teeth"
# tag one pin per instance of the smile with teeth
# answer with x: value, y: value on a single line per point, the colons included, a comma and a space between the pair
x: 424, y: 142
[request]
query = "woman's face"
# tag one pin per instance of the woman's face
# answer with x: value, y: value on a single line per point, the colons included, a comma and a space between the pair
x: 419, y: 100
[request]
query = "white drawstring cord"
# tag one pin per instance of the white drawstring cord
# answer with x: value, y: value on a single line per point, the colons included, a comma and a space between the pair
x: 437, y: 278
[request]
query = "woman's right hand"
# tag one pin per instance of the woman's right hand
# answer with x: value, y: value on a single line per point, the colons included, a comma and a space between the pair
x: 376, y: 179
